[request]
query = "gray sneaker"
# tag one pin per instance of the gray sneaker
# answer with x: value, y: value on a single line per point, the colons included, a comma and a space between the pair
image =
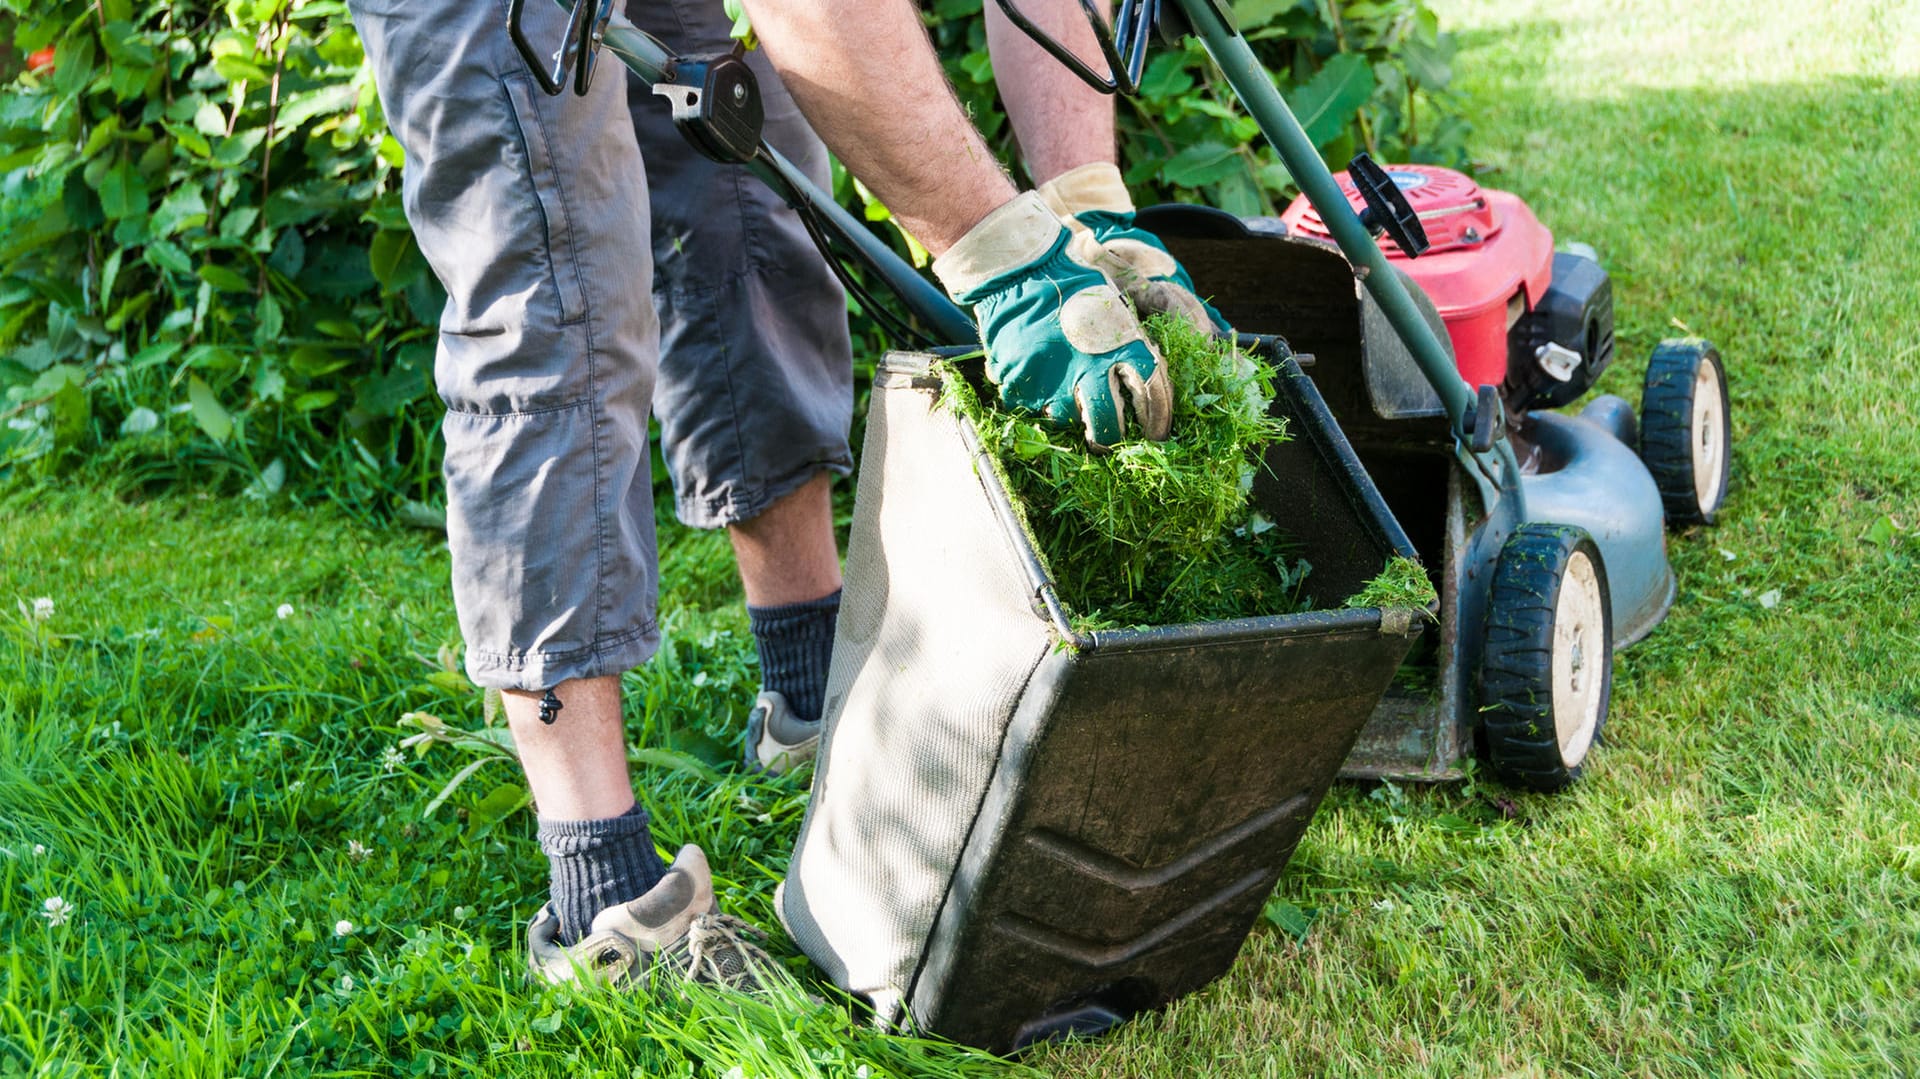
x: 777, y: 740
x: 675, y: 929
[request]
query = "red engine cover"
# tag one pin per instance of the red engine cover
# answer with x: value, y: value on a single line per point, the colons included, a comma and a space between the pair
x: 1490, y: 262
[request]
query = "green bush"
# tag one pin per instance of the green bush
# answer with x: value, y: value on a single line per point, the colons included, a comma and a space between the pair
x: 205, y: 275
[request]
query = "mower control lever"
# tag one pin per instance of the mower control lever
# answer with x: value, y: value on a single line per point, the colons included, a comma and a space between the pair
x: 1124, y: 46
x: 1387, y: 207
x: 716, y: 105
x: 579, y: 46
x: 1488, y: 420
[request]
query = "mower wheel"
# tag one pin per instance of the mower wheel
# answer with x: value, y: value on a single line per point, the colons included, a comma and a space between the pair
x: 1547, y: 671
x: 1685, y: 431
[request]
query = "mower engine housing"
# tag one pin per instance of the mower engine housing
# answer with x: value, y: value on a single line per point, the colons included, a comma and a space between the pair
x: 1490, y: 263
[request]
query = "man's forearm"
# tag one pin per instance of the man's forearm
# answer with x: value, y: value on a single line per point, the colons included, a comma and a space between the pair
x: 865, y: 74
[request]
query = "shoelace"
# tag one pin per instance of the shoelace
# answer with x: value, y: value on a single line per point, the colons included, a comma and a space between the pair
x: 719, y: 949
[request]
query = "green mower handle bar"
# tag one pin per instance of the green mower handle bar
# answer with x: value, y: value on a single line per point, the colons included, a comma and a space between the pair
x: 654, y: 63
x: 1213, y: 23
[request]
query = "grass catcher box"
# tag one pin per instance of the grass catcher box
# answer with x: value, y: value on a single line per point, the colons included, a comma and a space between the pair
x: 1018, y: 831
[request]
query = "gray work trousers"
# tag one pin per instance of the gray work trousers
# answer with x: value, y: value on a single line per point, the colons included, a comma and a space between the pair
x: 576, y: 304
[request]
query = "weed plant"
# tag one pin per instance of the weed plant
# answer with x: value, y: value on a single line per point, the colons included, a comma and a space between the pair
x: 1155, y: 533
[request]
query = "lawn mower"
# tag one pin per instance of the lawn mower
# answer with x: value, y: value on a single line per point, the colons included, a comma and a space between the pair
x: 1019, y: 831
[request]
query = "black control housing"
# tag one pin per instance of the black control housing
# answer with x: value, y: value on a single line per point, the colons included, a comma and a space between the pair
x: 1576, y: 314
x: 716, y: 106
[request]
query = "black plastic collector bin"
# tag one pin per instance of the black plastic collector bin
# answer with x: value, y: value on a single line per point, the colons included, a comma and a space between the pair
x: 1017, y: 831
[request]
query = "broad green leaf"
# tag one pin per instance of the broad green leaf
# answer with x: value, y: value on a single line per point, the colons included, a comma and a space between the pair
x: 224, y: 279
x: 125, y: 46
x: 500, y: 802
x: 1166, y: 77
x: 269, y: 320
x: 300, y: 108
x: 210, y: 121
x: 234, y: 69
x: 169, y: 257
x: 1328, y: 103
x: 239, y: 146
x: 385, y: 253
x: 235, y: 223
x: 391, y: 152
x: 183, y: 208
x: 154, y: 355
x: 1253, y: 14
x: 131, y: 309
x: 190, y: 140
x: 1428, y: 55
x: 341, y: 47
x: 314, y: 399
x: 123, y: 191
x: 102, y: 137
x: 207, y: 411
x: 1199, y: 165
x: 312, y: 361
x: 270, y: 385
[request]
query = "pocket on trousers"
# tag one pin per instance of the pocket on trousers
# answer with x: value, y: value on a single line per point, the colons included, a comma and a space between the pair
x: 552, y: 196
x: 522, y: 524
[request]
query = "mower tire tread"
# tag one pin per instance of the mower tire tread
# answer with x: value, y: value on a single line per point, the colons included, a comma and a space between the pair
x: 1666, y: 426
x: 1517, y: 732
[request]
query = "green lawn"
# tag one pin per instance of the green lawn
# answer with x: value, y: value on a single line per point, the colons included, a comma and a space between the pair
x: 211, y: 789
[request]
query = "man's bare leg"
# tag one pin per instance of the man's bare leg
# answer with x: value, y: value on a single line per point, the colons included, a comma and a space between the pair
x: 790, y: 569
x: 598, y: 846
x: 1061, y: 122
x: 787, y: 554
x: 577, y: 765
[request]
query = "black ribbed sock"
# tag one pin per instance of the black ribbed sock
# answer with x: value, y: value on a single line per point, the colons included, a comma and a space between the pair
x: 597, y: 863
x: 796, y: 643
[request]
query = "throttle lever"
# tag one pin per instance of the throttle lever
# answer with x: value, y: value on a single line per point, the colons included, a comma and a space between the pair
x: 579, y: 45
x: 1387, y: 207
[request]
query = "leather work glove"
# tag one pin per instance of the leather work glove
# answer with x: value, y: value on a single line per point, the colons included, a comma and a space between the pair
x: 1061, y: 341
x: 1093, y: 202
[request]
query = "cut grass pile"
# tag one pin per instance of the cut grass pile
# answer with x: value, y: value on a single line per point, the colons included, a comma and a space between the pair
x: 1154, y: 533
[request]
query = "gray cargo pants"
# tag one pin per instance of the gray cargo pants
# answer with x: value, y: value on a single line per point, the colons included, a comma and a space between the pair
x: 575, y: 304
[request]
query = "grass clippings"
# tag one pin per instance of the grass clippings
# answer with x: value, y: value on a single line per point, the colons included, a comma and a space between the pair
x: 1404, y: 583
x: 1155, y: 533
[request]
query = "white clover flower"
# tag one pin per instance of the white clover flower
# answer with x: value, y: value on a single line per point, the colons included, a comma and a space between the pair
x: 459, y: 914
x: 39, y: 850
x: 358, y: 851
x: 392, y: 759
x: 735, y: 1072
x: 56, y: 910
x: 346, y: 981
x: 1383, y: 905
x: 343, y: 928
x: 296, y: 786
x: 43, y: 608
x: 283, y: 612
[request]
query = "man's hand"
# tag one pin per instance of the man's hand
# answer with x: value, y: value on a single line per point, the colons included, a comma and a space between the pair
x: 1061, y: 340
x: 1093, y: 202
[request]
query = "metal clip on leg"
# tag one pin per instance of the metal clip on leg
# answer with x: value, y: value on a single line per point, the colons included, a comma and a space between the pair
x: 550, y: 708
x: 579, y: 48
